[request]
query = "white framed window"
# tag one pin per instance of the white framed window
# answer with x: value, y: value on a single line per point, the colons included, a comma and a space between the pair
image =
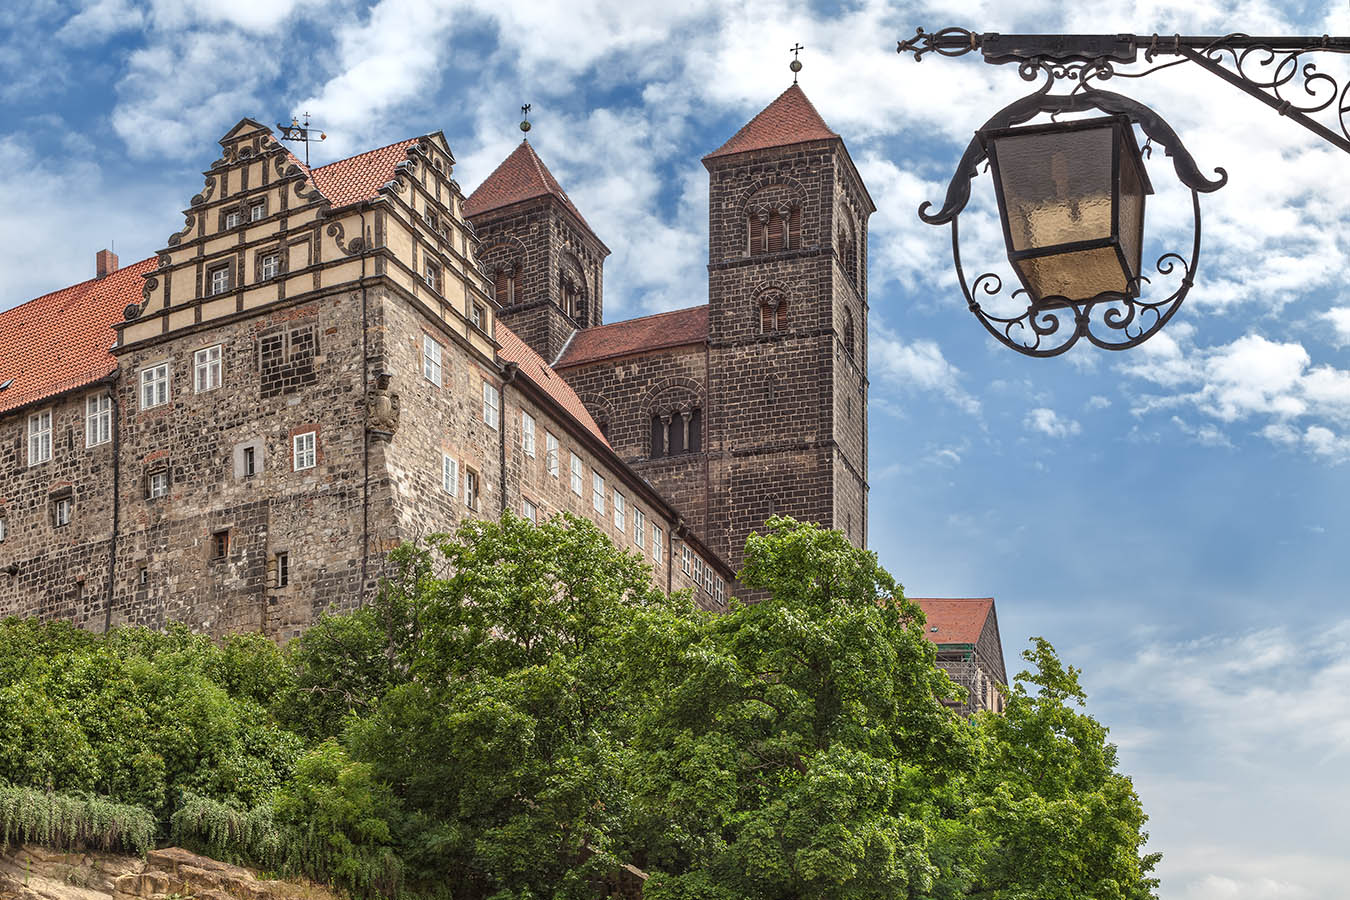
x: 40, y: 437
x: 639, y: 529
x: 657, y: 536
x: 269, y: 266
x: 219, y: 279
x: 232, y: 219
x: 491, y: 402
x: 257, y: 211
x: 432, y: 276
x: 527, y: 433
x: 155, y: 385
x: 698, y: 571
x: 432, y: 354
x: 97, y: 420
x: 686, y: 560
x: 2, y: 530
x: 206, y: 369
x: 477, y: 315
x: 598, y: 492
x: 303, y: 455
x: 551, y: 453
x: 62, y: 510
x: 449, y: 474
x: 158, y: 485
x: 529, y: 511
x: 470, y: 488
x: 620, y: 512
x: 576, y: 474
x: 719, y: 591
x: 283, y: 569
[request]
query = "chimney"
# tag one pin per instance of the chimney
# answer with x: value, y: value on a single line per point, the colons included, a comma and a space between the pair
x: 105, y: 263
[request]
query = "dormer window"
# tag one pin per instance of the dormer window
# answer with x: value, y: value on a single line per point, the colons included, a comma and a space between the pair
x: 257, y: 211
x: 218, y: 279
x: 232, y: 219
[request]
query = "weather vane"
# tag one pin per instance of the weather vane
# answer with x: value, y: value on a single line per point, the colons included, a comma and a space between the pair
x: 297, y: 132
x: 525, y: 118
x: 796, y: 64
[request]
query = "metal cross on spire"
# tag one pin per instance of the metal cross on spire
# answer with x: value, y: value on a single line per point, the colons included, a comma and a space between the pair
x: 297, y: 132
x: 796, y: 64
x: 525, y: 119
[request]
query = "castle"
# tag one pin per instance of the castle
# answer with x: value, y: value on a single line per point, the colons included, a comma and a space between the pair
x: 323, y: 363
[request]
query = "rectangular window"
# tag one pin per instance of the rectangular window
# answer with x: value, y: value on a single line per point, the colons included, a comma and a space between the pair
x: 97, y: 420
x: 232, y: 219
x: 2, y: 530
x: 220, y: 544
x: 219, y: 279
x: 719, y: 591
x: 686, y: 560
x: 206, y: 369
x: 529, y: 511
x: 158, y: 485
x: 657, y: 536
x: 432, y: 276
x: 619, y: 512
x: 551, y: 453
x: 155, y: 386
x: 527, y: 433
x: 478, y: 315
x: 639, y: 529
x: 576, y: 474
x: 431, y: 360
x: 143, y: 576
x: 598, y: 492
x: 491, y: 400
x: 250, y: 462
x: 40, y: 437
x: 698, y: 571
x: 257, y: 211
x: 283, y: 569
x: 303, y: 453
x: 61, y: 511
x: 449, y: 475
x: 470, y: 488
x: 269, y: 266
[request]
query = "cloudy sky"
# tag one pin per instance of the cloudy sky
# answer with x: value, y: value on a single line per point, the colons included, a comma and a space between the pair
x: 1174, y: 519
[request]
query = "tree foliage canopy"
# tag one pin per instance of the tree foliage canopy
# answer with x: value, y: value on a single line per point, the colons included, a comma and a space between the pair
x: 521, y: 715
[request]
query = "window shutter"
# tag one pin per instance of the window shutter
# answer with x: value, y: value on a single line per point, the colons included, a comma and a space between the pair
x: 756, y: 234
x: 765, y: 317
x: 794, y: 240
x: 781, y: 314
x: 775, y: 231
x: 502, y: 288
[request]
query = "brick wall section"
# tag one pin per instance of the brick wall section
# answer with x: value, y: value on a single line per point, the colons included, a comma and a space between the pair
x: 59, y: 572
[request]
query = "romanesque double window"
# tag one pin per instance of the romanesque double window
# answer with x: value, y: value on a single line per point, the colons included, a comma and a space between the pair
x: 677, y: 432
x: 506, y: 283
x: 572, y: 297
x: 776, y: 228
x: 772, y: 314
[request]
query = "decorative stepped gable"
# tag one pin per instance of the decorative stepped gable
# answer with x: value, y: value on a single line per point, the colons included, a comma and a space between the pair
x: 545, y: 263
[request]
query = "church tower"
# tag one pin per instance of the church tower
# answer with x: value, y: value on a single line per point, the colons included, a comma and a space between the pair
x: 545, y: 262
x: 787, y: 328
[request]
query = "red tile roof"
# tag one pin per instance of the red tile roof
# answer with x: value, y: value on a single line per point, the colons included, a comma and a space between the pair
x: 60, y: 341
x: 533, y: 367
x: 359, y: 177
x: 663, y: 330
x: 521, y: 176
x: 957, y: 620
x: 791, y: 119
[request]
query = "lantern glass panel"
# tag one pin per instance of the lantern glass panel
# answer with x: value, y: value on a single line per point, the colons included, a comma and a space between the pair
x: 1132, y: 190
x: 1077, y: 275
x: 1056, y: 186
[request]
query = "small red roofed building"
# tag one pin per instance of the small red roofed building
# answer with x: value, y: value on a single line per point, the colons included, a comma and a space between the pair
x: 969, y: 650
x: 323, y: 362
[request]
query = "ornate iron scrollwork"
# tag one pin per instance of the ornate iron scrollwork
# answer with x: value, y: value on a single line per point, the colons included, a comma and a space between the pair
x: 1111, y: 320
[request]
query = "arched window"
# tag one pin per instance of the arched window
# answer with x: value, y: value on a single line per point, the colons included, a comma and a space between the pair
x: 680, y: 431
x: 848, y: 332
x: 772, y: 315
x: 506, y: 283
x: 775, y: 228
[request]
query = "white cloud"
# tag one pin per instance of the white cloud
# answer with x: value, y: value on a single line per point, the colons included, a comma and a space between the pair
x: 1339, y: 318
x: 1097, y: 401
x: 100, y: 21
x: 1051, y: 423
x: 919, y: 365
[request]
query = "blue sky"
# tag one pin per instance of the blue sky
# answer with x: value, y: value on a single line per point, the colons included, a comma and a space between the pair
x: 1173, y: 518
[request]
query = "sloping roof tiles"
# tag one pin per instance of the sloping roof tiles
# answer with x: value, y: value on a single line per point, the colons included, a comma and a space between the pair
x: 791, y: 119
x: 533, y: 367
x: 668, y: 329
x: 521, y: 176
x: 359, y: 177
x: 958, y: 620
x: 61, y: 341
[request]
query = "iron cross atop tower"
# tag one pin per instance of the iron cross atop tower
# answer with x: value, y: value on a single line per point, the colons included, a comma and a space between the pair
x: 796, y: 64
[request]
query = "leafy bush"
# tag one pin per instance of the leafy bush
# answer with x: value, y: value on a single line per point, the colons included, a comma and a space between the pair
x: 73, y: 823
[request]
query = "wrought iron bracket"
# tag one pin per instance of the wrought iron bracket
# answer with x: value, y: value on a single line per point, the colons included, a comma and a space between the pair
x: 1280, y: 71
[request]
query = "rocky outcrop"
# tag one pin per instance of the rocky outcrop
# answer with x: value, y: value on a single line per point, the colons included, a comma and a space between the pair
x: 36, y: 873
